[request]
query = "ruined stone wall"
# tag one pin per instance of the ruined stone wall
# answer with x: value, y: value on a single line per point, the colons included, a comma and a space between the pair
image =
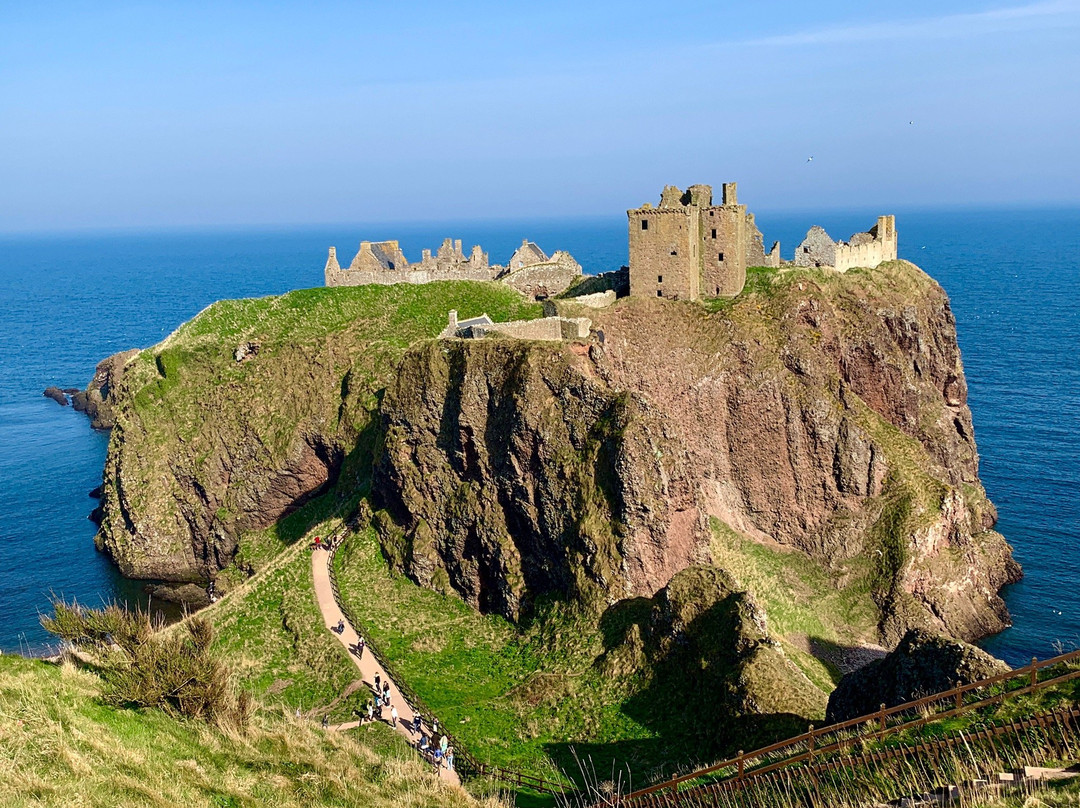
x: 548, y: 279
x: 878, y: 245
x: 596, y: 300
x: 549, y: 329
x: 355, y: 277
x: 664, y: 252
x: 755, y: 247
x: 816, y: 250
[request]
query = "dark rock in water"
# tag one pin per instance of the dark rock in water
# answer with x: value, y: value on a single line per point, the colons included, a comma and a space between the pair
x: 78, y: 400
x: 97, y: 516
x: 57, y: 395
x: 922, y: 664
x: 97, y: 492
x: 72, y: 390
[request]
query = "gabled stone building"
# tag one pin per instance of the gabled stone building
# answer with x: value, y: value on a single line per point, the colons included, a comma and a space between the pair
x: 687, y: 247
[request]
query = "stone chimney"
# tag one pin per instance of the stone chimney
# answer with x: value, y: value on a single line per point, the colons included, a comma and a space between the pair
x: 730, y: 197
x: 331, y: 261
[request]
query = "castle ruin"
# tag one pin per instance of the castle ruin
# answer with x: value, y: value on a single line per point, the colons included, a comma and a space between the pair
x: 862, y: 250
x: 688, y: 248
x: 531, y: 271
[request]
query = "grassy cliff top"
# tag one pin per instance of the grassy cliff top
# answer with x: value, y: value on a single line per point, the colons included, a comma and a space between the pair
x: 60, y: 745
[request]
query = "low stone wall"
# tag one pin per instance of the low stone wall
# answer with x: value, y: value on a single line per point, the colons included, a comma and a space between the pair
x: 543, y: 280
x: 546, y: 329
x: 360, y: 277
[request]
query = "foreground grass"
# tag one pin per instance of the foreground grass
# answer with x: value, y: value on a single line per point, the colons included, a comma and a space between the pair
x: 60, y: 745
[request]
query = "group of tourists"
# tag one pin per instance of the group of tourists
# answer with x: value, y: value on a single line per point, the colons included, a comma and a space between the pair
x: 435, y: 749
x: 319, y: 544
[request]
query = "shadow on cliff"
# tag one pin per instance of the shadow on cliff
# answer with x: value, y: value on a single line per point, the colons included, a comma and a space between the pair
x: 694, y: 698
x: 350, y: 481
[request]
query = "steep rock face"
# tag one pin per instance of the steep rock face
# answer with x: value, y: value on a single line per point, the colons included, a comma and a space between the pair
x: 510, y: 471
x: 177, y: 516
x: 821, y: 411
x: 250, y: 410
x: 921, y: 665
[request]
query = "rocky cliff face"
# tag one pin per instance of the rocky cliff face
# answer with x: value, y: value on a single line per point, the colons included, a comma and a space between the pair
x: 819, y: 411
x: 249, y: 411
x: 510, y: 470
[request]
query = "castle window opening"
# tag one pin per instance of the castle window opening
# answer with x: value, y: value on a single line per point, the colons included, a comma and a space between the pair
x: 659, y: 292
x: 659, y: 278
x: 719, y: 256
x: 391, y: 263
x: 806, y: 249
x: 674, y: 252
x: 718, y: 291
x: 644, y: 224
x: 714, y: 232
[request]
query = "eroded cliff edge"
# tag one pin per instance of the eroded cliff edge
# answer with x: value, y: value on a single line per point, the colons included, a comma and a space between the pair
x: 821, y: 412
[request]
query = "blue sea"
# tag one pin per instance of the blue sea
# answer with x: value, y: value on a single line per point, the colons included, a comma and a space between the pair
x: 68, y: 301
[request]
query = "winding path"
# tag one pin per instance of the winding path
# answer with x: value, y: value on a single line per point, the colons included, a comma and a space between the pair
x: 368, y: 665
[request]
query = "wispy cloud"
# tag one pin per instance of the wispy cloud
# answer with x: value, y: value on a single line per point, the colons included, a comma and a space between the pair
x: 949, y: 26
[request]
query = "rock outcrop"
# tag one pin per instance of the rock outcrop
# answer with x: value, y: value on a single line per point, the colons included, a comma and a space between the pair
x: 97, y: 399
x: 921, y: 665
x: 57, y: 395
x: 822, y: 412
x: 707, y: 649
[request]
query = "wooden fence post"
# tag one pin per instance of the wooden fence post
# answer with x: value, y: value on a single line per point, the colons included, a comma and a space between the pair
x: 742, y: 765
x: 959, y: 698
x: 881, y: 717
x: 1034, y: 671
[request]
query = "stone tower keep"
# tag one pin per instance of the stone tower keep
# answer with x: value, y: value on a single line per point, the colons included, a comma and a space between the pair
x: 689, y: 248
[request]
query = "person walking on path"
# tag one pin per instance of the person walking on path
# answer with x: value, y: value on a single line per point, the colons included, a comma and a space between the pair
x: 318, y: 542
x: 435, y: 725
x: 393, y: 717
x: 444, y: 744
x: 378, y: 684
x: 325, y: 721
x: 370, y: 712
x: 416, y: 723
x: 450, y: 758
x: 359, y: 647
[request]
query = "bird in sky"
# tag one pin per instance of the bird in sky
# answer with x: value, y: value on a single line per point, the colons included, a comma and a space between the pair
x: 810, y: 159
x: 911, y: 123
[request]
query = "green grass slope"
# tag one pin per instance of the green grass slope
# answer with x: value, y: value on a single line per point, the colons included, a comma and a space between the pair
x: 61, y: 746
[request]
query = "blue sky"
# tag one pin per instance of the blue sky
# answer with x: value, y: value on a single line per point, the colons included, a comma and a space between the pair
x: 233, y: 113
